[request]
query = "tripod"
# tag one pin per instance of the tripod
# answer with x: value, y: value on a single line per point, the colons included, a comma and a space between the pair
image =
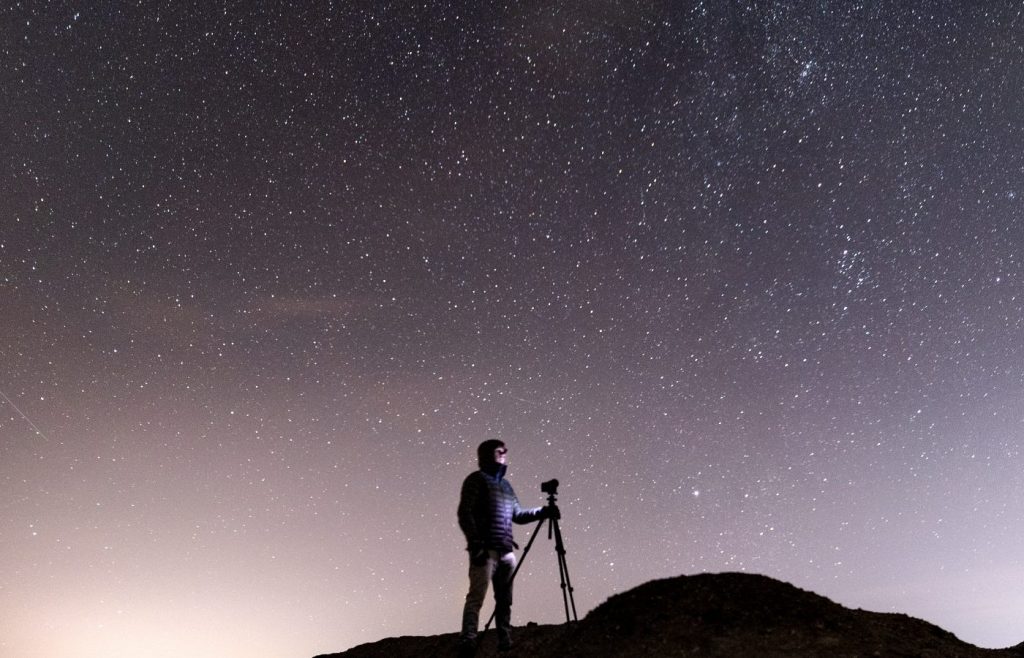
x: 563, y: 568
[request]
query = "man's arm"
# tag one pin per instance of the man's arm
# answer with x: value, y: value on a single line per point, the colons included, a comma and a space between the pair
x: 520, y: 515
x: 467, y: 503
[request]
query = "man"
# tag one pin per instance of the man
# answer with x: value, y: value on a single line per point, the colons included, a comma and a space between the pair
x: 487, y: 508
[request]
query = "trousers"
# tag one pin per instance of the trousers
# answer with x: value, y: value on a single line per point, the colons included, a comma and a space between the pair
x: 498, y: 572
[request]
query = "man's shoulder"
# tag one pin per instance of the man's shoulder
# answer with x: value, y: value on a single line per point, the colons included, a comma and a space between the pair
x: 475, y: 476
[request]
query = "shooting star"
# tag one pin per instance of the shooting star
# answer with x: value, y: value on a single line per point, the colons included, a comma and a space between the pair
x: 22, y: 413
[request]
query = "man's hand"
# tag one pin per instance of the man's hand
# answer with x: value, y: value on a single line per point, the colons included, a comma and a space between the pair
x: 550, y: 512
x: 477, y: 554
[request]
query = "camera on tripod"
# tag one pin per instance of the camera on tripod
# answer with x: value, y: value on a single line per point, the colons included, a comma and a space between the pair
x: 554, y: 531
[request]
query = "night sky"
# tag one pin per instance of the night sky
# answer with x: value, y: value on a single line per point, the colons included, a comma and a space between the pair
x: 745, y: 276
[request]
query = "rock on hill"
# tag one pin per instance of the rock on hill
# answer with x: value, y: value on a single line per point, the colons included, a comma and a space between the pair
x: 727, y: 615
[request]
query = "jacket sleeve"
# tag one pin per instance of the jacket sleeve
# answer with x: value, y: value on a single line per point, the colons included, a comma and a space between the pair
x: 467, y: 503
x: 521, y: 515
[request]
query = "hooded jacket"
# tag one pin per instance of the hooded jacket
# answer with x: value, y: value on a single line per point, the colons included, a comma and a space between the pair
x: 488, y: 507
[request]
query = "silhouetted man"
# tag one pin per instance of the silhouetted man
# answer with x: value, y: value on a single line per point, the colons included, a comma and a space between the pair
x: 487, y: 508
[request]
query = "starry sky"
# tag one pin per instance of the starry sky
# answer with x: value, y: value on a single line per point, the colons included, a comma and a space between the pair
x: 746, y: 277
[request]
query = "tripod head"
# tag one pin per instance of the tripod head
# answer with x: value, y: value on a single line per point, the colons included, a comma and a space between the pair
x: 551, y: 489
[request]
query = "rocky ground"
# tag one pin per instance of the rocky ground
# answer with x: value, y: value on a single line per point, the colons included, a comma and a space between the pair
x: 725, y: 615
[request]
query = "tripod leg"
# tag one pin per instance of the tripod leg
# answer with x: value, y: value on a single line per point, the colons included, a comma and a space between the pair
x: 563, y: 574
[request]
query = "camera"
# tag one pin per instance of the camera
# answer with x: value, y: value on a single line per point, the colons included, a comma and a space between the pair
x: 550, y: 487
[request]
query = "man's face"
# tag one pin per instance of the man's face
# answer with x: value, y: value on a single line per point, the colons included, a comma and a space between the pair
x: 501, y: 455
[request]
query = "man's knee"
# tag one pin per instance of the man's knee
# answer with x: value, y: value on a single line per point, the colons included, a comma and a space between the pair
x: 479, y: 576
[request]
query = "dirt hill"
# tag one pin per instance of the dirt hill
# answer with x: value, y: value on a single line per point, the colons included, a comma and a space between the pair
x: 729, y: 615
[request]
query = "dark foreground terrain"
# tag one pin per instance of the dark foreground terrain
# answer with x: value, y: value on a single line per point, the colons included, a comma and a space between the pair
x: 731, y: 615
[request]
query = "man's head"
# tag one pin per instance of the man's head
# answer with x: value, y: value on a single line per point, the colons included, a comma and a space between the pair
x: 491, y: 451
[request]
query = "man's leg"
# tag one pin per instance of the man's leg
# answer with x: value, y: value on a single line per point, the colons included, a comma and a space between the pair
x: 479, y: 575
x: 503, y: 599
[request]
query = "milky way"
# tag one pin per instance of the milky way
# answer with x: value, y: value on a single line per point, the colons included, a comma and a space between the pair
x: 745, y: 277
